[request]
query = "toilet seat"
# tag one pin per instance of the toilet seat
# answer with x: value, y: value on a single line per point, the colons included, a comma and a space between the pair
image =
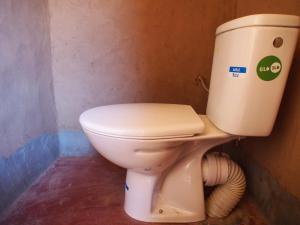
x: 143, y: 121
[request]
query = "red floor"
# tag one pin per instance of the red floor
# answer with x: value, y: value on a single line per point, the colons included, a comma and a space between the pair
x: 90, y: 191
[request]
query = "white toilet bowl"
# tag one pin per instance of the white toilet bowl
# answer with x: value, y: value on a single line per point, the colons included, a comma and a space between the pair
x: 164, y: 178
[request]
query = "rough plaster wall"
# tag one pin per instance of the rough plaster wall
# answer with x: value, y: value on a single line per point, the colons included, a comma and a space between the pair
x: 120, y: 51
x: 26, y: 95
x: 280, y: 153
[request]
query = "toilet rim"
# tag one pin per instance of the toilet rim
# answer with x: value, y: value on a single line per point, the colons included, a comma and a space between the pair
x: 141, y: 138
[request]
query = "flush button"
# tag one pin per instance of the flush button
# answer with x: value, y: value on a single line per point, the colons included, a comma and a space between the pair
x: 278, y: 41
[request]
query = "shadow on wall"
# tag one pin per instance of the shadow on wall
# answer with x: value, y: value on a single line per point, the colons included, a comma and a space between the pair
x: 108, y: 52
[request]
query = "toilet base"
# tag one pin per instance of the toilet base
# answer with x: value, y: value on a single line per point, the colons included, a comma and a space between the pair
x: 176, y: 195
x: 169, y: 197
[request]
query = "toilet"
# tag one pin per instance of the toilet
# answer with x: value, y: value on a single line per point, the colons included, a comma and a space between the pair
x: 163, y: 146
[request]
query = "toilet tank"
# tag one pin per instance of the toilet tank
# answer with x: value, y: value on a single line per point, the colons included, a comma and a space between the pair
x: 252, y: 59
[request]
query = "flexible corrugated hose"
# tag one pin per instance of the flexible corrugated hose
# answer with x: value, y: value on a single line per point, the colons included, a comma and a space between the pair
x: 220, y: 169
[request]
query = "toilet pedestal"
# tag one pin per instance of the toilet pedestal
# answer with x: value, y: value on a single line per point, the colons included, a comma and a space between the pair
x: 173, y: 196
x: 176, y: 194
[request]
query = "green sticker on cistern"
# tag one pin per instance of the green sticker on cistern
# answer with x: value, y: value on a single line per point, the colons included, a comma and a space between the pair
x: 269, y: 68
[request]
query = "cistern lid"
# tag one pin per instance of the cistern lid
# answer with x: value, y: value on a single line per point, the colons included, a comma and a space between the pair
x: 272, y: 20
x: 143, y: 120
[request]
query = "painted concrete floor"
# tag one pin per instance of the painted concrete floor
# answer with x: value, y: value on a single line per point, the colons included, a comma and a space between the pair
x: 89, y: 191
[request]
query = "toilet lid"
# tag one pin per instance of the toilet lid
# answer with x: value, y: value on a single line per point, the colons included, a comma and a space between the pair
x: 143, y: 120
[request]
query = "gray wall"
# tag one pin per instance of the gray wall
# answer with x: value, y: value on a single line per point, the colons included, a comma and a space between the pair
x: 28, y: 142
x: 27, y: 107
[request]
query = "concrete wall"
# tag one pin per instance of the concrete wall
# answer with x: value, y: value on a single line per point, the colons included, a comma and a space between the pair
x: 27, y: 110
x: 120, y: 51
x: 26, y: 93
x: 280, y: 153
